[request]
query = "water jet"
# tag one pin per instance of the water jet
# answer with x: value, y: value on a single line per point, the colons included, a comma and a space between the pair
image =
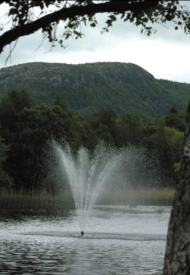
x: 106, y: 168
x: 87, y: 173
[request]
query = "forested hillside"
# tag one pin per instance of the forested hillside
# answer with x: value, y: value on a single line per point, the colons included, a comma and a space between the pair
x: 87, y: 88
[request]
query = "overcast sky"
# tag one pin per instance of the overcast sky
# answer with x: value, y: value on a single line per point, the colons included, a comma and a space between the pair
x: 165, y: 54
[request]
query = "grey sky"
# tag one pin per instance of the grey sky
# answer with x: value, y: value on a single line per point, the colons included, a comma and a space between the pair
x: 164, y: 54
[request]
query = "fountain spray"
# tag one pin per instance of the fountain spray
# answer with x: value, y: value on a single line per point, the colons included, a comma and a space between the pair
x: 87, y: 173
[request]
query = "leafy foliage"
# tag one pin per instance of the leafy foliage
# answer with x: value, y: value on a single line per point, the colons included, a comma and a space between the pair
x: 25, y: 21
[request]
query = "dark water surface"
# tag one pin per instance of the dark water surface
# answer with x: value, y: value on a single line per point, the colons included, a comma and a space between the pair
x: 118, y: 240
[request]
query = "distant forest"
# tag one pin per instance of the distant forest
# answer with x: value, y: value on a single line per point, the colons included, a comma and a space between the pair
x: 27, y: 130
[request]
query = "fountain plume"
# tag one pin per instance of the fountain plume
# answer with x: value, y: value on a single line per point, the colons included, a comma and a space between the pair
x: 87, y: 174
x: 117, y: 169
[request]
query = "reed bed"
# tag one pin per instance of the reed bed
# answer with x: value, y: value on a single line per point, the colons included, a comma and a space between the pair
x: 42, y: 201
x: 134, y: 197
x: 64, y: 200
x: 154, y: 196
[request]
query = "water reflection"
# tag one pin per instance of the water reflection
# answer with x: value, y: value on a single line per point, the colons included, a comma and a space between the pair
x: 83, y: 258
x: 41, y: 254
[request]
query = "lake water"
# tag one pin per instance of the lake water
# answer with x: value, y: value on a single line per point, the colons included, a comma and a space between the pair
x: 118, y: 240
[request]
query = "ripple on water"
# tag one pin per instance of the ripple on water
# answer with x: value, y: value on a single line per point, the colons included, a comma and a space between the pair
x: 35, y: 254
x: 82, y: 257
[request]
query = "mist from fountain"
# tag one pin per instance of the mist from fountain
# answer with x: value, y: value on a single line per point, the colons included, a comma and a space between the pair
x: 87, y: 173
x: 110, y: 172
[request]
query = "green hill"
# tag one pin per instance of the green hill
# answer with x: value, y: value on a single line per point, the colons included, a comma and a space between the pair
x: 87, y: 88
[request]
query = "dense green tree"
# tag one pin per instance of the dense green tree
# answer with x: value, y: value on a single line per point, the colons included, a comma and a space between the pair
x: 28, y: 130
x: 106, y: 129
x: 177, y: 142
x: 176, y: 120
x: 34, y: 131
x: 36, y: 127
x: 129, y: 130
x: 173, y: 110
x: 90, y: 138
x: 147, y: 140
x: 5, y: 180
x: 100, y: 127
x: 162, y: 145
x: 76, y: 134
x: 174, y: 143
x: 10, y: 107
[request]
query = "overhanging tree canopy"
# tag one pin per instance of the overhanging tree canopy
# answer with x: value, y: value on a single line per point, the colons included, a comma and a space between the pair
x: 23, y: 16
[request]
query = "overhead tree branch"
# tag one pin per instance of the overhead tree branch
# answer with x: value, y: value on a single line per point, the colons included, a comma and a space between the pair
x: 71, y: 13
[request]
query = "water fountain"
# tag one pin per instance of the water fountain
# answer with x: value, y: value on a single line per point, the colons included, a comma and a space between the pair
x: 104, y: 249
x: 87, y: 173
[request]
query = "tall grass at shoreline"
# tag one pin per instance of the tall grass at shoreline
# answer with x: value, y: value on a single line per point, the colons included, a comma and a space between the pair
x: 42, y: 201
x: 141, y: 196
x: 154, y: 196
x: 64, y: 200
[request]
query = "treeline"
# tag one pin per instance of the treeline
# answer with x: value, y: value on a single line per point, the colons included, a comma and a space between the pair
x: 27, y: 130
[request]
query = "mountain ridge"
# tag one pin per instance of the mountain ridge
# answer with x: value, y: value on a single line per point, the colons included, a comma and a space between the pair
x: 87, y: 88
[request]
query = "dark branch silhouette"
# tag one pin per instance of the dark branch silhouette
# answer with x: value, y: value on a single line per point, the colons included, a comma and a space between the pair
x: 71, y: 13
